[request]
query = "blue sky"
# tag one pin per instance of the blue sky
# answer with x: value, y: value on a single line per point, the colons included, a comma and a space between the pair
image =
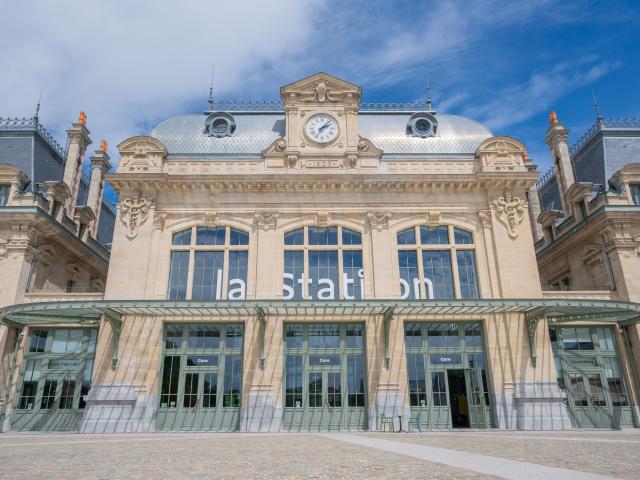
x: 506, y: 64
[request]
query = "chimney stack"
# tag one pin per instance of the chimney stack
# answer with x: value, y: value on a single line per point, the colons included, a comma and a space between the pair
x: 99, y: 166
x: 556, y: 139
x: 77, y: 142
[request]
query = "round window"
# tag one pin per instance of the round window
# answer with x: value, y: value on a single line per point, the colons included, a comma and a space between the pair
x: 422, y: 126
x: 220, y: 126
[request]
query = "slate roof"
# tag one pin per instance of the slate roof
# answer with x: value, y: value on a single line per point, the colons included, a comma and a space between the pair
x: 184, y: 135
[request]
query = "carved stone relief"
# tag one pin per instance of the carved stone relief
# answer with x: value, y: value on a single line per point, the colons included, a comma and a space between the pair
x: 432, y: 219
x: 134, y: 211
x: 209, y: 218
x: 159, y: 219
x: 510, y: 211
x: 485, y: 218
x: 323, y: 219
x: 266, y: 220
x: 379, y: 220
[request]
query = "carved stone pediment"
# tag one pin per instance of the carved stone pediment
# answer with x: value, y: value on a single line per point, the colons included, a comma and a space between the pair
x: 501, y: 153
x: 141, y: 154
x: 320, y: 89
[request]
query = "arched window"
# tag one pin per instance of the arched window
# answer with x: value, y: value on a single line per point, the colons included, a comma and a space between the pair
x: 208, y: 263
x: 437, y: 262
x: 323, y: 263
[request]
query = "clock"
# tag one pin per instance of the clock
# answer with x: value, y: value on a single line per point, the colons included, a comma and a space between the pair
x: 322, y: 128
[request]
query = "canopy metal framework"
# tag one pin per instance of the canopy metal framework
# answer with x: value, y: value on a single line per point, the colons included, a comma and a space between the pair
x: 89, y: 313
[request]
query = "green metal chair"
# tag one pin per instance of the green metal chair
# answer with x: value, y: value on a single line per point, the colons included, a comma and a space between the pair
x: 416, y: 420
x: 384, y: 422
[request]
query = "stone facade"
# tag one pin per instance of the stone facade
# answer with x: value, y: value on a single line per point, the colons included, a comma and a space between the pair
x: 379, y: 174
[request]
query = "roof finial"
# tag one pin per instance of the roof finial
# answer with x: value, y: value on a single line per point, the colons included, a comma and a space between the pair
x: 36, y: 116
x: 210, y: 101
x: 429, y: 108
x: 599, y: 117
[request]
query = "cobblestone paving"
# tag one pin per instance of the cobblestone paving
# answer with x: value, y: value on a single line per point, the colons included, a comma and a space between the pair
x: 187, y: 456
x: 611, y: 453
x: 266, y: 456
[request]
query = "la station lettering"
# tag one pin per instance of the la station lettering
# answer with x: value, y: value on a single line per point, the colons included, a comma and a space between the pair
x: 238, y: 287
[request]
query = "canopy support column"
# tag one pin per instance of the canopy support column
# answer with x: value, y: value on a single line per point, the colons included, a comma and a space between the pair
x: 532, y: 318
x: 387, y: 318
x: 261, y: 333
x: 115, y: 321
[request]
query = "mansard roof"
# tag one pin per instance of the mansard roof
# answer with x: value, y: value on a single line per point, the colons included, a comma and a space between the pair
x: 184, y: 135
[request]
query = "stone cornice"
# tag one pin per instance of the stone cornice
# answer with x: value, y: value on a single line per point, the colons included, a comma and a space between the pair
x: 310, y: 182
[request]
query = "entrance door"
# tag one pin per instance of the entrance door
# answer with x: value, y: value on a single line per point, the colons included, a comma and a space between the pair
x: 324, y: 377
x: 588, y: 370
x: 590, y: 403
x: 446, y: 374
x: 325, y: 401
x: 458, y: 399
x: 201, y: 377
x: 55, y: 378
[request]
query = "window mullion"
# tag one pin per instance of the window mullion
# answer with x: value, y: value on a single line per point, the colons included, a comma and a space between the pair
x: 190, y: 273
x: 306, y: 275
x: 454, y: 271
x: 341, y: 287
x: 225, y: 273
x: 421, y: 283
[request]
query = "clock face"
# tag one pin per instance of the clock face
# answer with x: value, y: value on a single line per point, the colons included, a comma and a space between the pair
x: 322, y: 128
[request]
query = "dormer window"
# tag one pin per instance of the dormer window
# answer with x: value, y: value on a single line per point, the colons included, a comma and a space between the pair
x: 422, y: 125
x: 220, y: 124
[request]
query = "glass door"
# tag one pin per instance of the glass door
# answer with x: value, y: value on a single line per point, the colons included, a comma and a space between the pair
x: 589, y: 400
x: 201, y: 377
x: 55, y: 379
x: 324, y: 377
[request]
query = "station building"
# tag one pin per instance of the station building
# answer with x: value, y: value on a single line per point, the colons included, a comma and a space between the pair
x: 322, y: 264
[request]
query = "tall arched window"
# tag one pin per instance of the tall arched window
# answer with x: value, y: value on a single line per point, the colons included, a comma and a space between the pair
x: 437, y: 262
x: 209, y: 263
x: 323, y: 263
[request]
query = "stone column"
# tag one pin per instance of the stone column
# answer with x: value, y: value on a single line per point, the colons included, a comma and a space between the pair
x: 99, y: 166
x: 78, y: 140
x: 556, y: 139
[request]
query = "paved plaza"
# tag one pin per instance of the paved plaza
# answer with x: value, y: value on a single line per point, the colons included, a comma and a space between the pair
x: 447, y: 455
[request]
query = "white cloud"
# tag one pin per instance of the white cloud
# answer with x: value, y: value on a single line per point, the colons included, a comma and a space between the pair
x: 128, y: 64
x: 520, y: 102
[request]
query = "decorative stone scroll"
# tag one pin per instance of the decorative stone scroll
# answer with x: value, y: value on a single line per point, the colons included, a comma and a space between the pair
x: 134, y: 211
x: 379, y: 220
x: 266, y: 220
x: 510, y: 211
